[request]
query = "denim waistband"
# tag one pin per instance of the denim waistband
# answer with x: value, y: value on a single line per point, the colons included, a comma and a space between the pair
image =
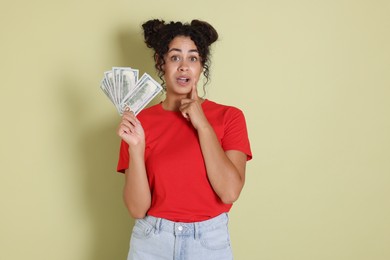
x: 187, y: 229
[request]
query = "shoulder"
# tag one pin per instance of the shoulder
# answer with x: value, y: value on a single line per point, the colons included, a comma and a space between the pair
x: 226, y: 111
x: 149, y: 111
x: 148, y: 116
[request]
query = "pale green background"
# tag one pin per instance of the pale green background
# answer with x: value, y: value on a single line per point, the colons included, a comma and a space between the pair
x: 312, y: 78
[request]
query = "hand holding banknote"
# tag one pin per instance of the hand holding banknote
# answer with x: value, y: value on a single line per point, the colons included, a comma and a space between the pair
x: 131, y: 131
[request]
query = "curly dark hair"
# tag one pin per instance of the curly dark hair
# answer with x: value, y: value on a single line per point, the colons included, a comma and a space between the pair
x: 159, y: 34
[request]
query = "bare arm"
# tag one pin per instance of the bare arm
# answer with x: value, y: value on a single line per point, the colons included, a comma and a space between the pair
x: 225, y: 170
x: 136, y: 192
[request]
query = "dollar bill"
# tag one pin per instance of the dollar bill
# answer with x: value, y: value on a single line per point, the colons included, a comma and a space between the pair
x: 105, y: 86
x: 146, y: 89
x: 109, y: 81
x: 122, y: 86
x: 116, y: 75
x: 106, y: 91
x: 129, y: 79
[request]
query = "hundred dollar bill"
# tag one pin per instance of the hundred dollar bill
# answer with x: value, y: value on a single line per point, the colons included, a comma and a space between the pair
x: 105, y: 86
x: 109, y: 79
x: 116, y: 77
x: 106, y: 91
x: 146, y: 89
x: 128, y: 81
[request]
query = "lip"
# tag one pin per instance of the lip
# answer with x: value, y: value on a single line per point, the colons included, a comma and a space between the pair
x: 183, y: 80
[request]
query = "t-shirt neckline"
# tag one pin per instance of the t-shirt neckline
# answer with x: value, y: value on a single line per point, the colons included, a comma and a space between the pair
x: 175, y: 112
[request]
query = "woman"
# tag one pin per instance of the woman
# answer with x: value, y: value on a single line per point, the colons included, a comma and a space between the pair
x: 184, y: 159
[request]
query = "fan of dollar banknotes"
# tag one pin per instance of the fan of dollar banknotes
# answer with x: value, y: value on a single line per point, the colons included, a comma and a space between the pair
x: 123, y: 87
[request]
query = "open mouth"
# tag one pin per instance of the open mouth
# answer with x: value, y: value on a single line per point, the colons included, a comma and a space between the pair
x: 183, y: 80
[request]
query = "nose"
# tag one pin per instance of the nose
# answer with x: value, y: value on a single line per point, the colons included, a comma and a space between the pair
x: 183, y: 66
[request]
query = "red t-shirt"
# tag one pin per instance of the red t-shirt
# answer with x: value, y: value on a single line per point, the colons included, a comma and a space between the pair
x: 174, y: 162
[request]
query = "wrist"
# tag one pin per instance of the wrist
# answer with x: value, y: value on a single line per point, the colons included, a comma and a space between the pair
x: 205, y: 128
x: 137, y: 151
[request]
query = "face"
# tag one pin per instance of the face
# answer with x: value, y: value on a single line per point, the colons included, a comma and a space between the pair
x: 182, y: 66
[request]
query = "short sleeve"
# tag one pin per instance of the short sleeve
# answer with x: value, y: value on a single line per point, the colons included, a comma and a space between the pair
x: 236, y: 133
x: 123, y: 161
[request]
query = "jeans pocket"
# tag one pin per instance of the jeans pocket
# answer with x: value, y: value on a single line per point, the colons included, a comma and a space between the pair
x: 216, y: 238
x: 142, y: 229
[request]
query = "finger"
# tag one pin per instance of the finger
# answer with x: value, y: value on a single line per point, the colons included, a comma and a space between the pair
x: 128, y: 124
x: 184, y: 111
x: 185, y: 101
x: 129, y: 116
x: 129, y: 121
x: 185, y: 105
x: 185, y: 115
x: 194, y: 92
x: 122, y: 133
x: 128, y: 109
x: 124, y: 130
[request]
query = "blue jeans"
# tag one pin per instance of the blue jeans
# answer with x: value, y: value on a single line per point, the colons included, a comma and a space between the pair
x: 157, y: 238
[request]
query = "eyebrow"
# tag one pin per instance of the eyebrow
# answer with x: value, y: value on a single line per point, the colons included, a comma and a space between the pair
x: 179, y: 50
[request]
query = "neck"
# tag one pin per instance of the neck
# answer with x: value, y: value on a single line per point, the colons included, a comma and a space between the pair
x: 173, y: 103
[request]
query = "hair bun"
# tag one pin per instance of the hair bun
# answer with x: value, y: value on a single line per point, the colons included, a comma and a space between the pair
x: 152, y: 29
x: 206, y: 29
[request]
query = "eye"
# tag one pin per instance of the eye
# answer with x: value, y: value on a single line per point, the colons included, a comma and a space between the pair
x: 175, y: 58
x: 193, y: 58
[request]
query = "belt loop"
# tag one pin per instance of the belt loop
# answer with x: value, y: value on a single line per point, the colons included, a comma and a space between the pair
x: 157, y: 227
x: 196, y: 231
